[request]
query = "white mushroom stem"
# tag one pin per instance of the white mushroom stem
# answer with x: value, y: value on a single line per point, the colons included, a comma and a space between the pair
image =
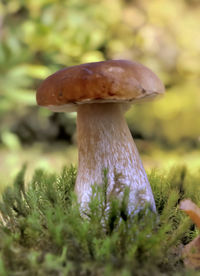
x: 104, y: 141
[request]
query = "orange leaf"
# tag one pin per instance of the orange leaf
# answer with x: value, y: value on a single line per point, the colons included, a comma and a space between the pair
x: 192, y: 210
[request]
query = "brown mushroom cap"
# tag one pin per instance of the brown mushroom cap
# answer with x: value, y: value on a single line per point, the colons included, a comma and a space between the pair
x: 105, y: 81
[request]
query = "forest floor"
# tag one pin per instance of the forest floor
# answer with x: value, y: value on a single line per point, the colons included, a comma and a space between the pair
x: 42, y: 231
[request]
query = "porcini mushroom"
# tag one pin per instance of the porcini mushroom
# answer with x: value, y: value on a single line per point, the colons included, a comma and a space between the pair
x: 100, y: 92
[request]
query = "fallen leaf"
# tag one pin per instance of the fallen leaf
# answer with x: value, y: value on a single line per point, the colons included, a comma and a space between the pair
x: 191, y: 252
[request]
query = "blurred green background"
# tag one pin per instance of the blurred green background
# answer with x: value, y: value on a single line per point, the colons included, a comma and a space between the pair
x: 38, y: 37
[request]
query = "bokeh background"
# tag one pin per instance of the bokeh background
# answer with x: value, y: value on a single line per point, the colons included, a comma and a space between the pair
x: 38, y: 37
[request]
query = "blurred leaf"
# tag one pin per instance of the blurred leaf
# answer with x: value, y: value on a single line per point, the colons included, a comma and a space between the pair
x: 37, y: 71
x: 22, y: 96
x: 10, y: 140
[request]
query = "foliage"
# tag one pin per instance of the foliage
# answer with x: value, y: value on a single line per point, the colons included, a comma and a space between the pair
x: 39, y: 37
x: 43, y: 232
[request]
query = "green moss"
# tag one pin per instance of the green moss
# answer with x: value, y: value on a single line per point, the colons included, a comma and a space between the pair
x: 43, y: 232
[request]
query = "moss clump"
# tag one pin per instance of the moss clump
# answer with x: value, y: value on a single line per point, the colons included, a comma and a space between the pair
x: 43, y: 233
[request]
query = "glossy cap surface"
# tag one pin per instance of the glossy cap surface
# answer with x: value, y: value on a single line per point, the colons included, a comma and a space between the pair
x: 105, y: 81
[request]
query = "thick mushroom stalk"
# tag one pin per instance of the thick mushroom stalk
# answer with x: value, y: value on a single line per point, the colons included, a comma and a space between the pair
x: 104, y: 141
x: 99, y: 92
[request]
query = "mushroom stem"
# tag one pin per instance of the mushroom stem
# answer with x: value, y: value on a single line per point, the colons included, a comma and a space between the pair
x: 104, y: 141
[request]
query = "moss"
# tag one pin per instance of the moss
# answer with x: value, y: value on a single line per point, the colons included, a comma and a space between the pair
x: 43, y: 233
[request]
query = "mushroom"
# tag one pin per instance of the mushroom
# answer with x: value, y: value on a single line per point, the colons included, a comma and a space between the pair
x: 101, y: 92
